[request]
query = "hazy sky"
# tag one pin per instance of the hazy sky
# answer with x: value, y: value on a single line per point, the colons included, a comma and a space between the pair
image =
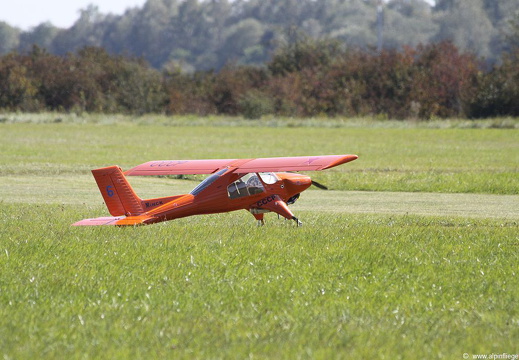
x: 63, y: 13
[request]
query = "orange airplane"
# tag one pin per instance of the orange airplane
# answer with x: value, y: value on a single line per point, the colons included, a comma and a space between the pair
x: 256, y: 185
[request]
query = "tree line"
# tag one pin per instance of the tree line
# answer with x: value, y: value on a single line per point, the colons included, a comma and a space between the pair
x: 305, y: 78
x: 207, y: 34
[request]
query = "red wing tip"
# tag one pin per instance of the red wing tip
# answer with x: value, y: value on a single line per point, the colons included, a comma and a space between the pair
x: 343, y: 160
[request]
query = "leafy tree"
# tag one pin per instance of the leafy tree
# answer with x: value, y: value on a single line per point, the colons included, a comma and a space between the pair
x: 149, y: 31
x: 218, y: 13
x: 303, y: 52
x: 352, y: 22
x: 444, y: 5
x: 117, y: 38
x: 241, y: 40
x: 500, y: 11
x: 513, y: 33
x: 444, y: 80
x: 9, y: 38
x: 54, y: 78
x: 206, y: 34
x: 254, y: 104
x: 498, y: 90
x: 466, y: 24
x: 42, y: 36
x: 88, y: 30
x: 17, y: 90
x: 230, y: 85
x: 139, y: 89
x: 408, y: 23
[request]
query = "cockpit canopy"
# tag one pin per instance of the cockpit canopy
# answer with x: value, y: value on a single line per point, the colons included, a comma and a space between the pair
x: 250, y: 184
x: 247, y: 185
x: 208, y: 181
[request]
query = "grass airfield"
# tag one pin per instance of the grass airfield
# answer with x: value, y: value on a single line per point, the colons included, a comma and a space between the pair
x: 83, y: 190
x: 414, y: 251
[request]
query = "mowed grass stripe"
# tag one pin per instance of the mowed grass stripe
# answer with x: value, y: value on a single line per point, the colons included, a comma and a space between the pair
x: 69, y: 189
x: 403, y: 203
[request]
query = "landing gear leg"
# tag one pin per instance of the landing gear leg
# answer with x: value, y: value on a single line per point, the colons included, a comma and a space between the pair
x: 298, y: 222
x: 260, y: 218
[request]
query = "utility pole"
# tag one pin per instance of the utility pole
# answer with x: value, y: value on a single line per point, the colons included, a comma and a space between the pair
x: 380, y: 25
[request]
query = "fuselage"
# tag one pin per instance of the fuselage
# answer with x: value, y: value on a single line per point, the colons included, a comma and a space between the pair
x: 257, y: 185
x: 229, y: 192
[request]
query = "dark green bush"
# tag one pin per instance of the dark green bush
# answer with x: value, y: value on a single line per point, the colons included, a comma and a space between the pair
x: 254, y: 104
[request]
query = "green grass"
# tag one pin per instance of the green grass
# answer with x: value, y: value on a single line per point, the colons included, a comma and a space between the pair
x: 266, y: 121
x: 396, y: 159
x: 219, y: 287
x: 370, y: 274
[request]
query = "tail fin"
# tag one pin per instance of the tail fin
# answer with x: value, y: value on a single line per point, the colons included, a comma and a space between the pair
x: 119, y: 196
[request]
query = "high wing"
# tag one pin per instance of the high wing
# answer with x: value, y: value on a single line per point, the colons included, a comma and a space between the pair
x: 298, y: 163
x: 277, y: 164
x: 179, y: 167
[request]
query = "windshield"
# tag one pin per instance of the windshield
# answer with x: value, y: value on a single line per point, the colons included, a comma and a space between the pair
x: 268, y: 178
x: 208, y: 181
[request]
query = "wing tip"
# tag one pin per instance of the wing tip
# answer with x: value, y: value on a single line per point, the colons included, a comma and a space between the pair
x: 343, y: 160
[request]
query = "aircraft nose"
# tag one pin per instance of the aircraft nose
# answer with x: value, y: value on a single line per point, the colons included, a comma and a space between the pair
x: 297, y: 183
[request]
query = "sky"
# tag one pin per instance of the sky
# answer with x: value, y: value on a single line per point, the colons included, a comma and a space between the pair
x: 26, y: 14
x: 62, y: 13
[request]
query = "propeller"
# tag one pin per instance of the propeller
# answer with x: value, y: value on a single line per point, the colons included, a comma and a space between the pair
x: 320, y: 186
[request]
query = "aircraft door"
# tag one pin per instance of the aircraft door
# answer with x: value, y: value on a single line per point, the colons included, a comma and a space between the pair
x: 247, y: 185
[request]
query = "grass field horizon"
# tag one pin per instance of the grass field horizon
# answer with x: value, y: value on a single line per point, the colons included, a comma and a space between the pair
x: 412, y: 253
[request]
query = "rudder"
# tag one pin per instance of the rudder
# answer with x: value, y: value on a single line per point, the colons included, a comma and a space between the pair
x: 119, y: 197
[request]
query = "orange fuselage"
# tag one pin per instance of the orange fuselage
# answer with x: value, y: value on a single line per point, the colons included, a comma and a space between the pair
x: 217, y: 199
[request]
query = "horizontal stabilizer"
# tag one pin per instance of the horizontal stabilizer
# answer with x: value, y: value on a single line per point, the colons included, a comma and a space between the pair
x: 115, y: 221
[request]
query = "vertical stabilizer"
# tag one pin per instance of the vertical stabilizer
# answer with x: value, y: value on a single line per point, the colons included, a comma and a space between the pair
x: 119, y: 196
